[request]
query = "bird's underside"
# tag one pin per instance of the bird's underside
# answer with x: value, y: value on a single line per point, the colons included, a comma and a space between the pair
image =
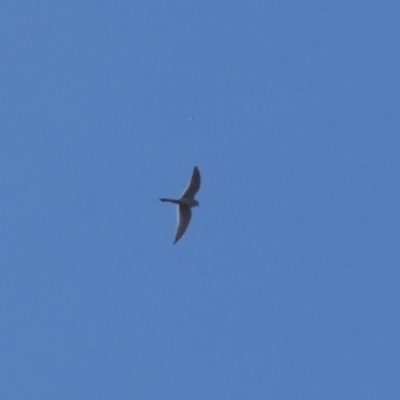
x: 185, y: 203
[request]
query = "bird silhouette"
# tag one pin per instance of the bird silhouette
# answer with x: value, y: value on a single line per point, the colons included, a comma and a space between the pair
x: 185, y: 203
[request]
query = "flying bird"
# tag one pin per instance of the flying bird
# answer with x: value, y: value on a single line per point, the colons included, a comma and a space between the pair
x: 185, y: 203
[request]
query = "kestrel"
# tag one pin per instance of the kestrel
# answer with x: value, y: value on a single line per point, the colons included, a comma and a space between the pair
x: 185, y: 203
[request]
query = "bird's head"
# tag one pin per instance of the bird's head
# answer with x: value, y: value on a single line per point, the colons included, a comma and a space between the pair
x: 195, y: 203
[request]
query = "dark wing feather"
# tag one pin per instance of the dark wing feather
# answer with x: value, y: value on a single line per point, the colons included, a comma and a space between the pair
x: 184, y: 216
x: 194, y: 184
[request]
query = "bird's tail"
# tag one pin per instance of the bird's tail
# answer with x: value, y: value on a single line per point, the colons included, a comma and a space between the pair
x: 170, y: 201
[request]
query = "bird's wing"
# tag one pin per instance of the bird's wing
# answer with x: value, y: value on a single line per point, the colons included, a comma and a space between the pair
x: 194, y: 184
x: 184, y: 216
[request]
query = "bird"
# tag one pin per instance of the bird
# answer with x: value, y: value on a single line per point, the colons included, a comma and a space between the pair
x: 185, y: 203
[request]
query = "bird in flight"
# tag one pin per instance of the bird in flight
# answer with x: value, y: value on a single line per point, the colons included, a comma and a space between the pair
x: 185, y: 203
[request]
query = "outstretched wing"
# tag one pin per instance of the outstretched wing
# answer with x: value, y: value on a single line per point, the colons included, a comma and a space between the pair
x: 194, y: 184
x: 184, y: 216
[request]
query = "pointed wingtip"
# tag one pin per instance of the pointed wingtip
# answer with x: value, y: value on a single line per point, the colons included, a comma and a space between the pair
x: 176, y: 240
x: 196, y: 170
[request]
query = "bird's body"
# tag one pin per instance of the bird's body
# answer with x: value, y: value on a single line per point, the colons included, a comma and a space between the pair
x: 185, y: 203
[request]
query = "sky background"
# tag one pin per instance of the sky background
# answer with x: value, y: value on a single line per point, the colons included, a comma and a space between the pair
x: 286, y: 284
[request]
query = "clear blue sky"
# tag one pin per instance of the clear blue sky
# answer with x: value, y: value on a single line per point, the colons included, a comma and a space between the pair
x: 286, y: 284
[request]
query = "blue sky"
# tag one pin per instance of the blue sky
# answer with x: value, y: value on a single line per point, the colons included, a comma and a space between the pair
x: 286, y: 284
